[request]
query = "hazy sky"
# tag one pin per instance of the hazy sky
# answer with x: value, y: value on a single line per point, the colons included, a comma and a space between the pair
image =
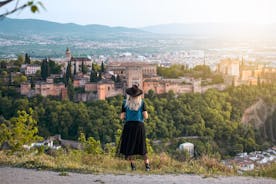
x: 139, y: 13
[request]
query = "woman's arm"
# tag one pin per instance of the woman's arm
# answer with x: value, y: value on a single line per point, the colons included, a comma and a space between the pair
x: 123, y: 112
x: 145, y: 115
x: 122, y: 115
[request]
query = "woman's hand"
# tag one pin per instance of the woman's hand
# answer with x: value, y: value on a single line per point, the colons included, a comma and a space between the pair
x: 122, y: 115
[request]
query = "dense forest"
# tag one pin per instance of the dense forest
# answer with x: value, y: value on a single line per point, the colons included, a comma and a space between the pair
x: 214, y: 117
x: 199, y: 71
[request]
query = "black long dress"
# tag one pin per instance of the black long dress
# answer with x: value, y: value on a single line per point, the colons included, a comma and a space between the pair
x: 133, y: 139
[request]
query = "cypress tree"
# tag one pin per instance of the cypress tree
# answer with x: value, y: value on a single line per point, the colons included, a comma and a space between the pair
x: 102, y: 67
x: 44, y: 69
x: 118, y: 79
x: 75, y: 68
x: 113, y: 78
x: 259, y: 81
x: 70, y: 90
x: 68, y: 74
x: 32, y: 82
x: 27, y: 59
x: 93, y: 74
x: 82, y: 67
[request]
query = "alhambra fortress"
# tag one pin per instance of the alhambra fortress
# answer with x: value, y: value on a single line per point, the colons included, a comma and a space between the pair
x: 235, y: 72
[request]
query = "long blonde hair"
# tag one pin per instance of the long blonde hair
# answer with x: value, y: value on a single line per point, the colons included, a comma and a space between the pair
x: 133, y: 103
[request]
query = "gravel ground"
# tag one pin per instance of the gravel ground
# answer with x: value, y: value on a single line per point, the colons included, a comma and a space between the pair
x: 10, y: 175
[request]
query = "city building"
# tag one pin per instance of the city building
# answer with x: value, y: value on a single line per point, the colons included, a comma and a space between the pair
x: 75, y: 62
x: 229, y: 67
x: 103, y: 89
x: 29, y: 69
x: 25, y: 88
x: 80, y: 80
x: 238, y: 72
x: 132, y: 72
x: 49, y: 88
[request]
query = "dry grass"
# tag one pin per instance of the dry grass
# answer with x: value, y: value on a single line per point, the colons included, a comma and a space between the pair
x: 77, y: 161
x: 265, y: 171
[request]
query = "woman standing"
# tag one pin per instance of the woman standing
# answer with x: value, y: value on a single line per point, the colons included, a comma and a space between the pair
x: 133, y: 136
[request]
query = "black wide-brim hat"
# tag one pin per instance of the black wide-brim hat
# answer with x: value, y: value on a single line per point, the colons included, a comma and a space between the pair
x: 134, y: 91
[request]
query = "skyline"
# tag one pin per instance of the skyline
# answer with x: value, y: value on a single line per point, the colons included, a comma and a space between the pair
x: 141, y: 13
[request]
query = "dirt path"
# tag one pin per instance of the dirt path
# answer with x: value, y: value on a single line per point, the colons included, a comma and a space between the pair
x: 27, y: 176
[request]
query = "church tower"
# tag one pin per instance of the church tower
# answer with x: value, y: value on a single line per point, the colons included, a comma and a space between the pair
x: 68, y: 54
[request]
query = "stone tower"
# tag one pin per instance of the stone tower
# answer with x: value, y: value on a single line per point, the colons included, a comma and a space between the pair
x: 68, y: 54
x: 134, y: 75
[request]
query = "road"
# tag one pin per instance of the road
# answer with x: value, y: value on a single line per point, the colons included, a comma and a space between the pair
x: 10, y: 175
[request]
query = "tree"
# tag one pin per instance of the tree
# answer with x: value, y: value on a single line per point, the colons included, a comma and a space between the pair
x: 20, y: 60
x: 113, y: 78
x: 93, y: 74
x: 53, y: 67
x: 84, y: 68
x: 68, y: 74
x: 18, y: 79
x: 259, y: 81
x: 75, y: 68
x: 3, y: 64
x: 20, y: 130
x: 70, y: 90
x: 44, y: 69
x: 102, y: 67
x: 27, y: 59
x: 118, y: 79
x: 90, y: 145
x: 32, y: 4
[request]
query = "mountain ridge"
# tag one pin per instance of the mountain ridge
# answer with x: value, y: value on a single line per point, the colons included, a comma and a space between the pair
x: 26, y: 26
x: 213, y: 29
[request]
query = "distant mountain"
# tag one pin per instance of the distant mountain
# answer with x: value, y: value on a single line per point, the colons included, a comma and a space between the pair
x: 214, y: 29
x: 32, y: 26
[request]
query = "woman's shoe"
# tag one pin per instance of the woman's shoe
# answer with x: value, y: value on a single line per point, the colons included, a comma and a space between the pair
x: 133, y: 167
x: 147, y: 167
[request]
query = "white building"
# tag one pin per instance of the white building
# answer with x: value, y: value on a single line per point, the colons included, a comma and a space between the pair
x: 30, y: 69
x: 187, y: 146
x: 246, y: 166
x: 229, y: 67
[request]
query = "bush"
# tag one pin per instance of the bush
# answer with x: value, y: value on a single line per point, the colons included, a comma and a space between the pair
x: 90, y: 145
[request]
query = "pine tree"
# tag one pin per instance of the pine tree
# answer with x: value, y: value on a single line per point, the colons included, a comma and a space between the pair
x: 27, y: 59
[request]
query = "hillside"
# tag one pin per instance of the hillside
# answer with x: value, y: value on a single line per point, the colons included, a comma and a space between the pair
x: 215, y: 30
x: 32, y: 26
x: 44, y: 38
x: 262, y: 116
